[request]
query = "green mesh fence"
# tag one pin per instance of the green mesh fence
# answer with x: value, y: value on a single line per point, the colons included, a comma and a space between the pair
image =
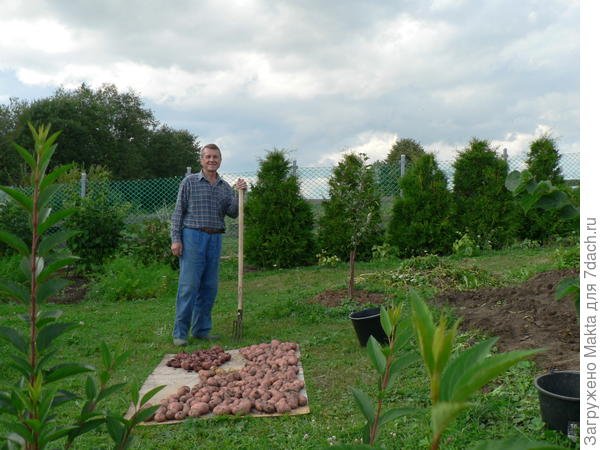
x: 149, y: 197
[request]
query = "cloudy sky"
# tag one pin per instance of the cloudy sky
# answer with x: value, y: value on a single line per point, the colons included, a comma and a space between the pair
x: 314, y: 77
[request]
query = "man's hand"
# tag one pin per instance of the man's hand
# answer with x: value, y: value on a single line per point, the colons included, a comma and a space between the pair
x: 241, y: 185
x: 177, y: 248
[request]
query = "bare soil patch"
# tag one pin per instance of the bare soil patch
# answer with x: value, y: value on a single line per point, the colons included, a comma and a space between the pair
x: 74, y: 292
x: 523, y: 316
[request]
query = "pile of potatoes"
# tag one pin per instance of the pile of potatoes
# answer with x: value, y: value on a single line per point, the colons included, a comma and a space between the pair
x: 268, y: 383
x: 200, y: 359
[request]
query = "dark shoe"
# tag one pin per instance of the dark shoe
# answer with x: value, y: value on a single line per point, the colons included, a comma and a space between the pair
x: 180, y: 342
x: 209, y: 337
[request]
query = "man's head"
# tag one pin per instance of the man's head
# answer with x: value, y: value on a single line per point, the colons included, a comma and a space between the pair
x: 210, y: 157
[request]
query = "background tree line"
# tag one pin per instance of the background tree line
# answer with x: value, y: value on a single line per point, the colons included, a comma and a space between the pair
x: 101, y: 127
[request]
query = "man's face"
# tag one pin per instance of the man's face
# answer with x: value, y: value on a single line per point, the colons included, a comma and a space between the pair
x: 211, y: 160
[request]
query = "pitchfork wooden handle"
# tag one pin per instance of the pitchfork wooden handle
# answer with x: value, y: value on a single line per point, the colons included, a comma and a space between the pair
x: 240, y: 248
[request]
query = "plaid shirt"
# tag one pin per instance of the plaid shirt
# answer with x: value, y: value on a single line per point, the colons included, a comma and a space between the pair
x: 200, y: 204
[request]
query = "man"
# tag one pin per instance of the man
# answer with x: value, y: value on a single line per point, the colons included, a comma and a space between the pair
x: 197, y: 228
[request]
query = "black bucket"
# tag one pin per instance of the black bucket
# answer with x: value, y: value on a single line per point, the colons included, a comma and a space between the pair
x: 368, y: 323
x: 559, y: 400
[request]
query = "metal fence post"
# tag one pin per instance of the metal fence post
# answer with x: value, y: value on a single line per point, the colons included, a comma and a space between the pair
x: 188, y: 171
x: 505, y: 154
x: 294, y: 168
x: 83, y: 184
x: 402, y: 172
x: 402, y: 165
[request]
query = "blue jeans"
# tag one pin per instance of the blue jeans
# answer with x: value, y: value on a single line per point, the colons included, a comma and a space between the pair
x: 198, y: 283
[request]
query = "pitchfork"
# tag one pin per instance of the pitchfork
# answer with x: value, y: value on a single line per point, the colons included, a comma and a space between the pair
x: 237, y: 324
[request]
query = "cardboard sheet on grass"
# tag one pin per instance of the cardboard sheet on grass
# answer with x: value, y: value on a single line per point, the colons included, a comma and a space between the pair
x: 173, y: 378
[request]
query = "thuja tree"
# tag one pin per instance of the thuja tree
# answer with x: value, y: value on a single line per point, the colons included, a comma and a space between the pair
x: 543, y: 165
x: 484, y: 207
x: 279, y: 222
x: 351, y: 222
x: 543, y: 160
x: 388, y: 172
x: 29, y: 405
x: 420, y: 222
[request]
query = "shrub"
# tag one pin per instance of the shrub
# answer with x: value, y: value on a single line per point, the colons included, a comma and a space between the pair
x: 484, y: 207
x: 420, y: 222
x: 14, y: 221
x: 122, y: 280
x: 151, y: 243
x: 99, y: 228
x: 279, y: 222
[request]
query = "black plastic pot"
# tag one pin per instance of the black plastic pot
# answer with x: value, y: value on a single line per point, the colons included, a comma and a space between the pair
x: 559, y: 400
x: 367, y: 323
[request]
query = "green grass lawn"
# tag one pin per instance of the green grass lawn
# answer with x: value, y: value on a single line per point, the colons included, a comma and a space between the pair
x: 276, y: 307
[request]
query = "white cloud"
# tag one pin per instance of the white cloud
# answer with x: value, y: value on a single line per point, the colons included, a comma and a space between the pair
x: 44, y: 36
x: 444, y: 5
x: 376, y: 145
x: 314, y: 76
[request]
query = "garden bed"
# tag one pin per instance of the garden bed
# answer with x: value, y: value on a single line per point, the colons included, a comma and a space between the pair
x: 523, y: 316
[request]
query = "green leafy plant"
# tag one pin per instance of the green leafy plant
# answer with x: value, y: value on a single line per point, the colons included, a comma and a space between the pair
x: 325, y: 260
x: 465, y: 246
x: 531, y: 194
x: 383, y: 252
x: 389, y: 362
x: 31, y: 403
x: 454, y: 378
x: 122, y: 279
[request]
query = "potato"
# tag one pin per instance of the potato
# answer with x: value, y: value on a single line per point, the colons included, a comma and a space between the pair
x: 243, y: 407
x: 198, y: 409
x: 183, y: 390
x: 221, y: 410
x: 275, y: 395
x: 302, y: 400
x: 180, y: 415
x: 292, y: 400
x: 269, y: 408
x: 282, y: 406
x: 160, y: 417
x: 176, y: 406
